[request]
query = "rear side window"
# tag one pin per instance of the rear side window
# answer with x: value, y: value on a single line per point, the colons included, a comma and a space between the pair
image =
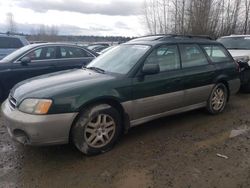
x: 167, y: 56
x: 71, y: 52
x: 9, y: 42
x: 216, y: 53
x: 192, y: 56
x: 43, y: 53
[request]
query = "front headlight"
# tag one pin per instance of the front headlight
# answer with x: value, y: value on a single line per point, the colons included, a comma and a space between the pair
x: 35, y: 106
x: 243, y: 59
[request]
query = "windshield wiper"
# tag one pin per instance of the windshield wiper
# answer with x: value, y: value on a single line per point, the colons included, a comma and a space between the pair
x: 96, y: 69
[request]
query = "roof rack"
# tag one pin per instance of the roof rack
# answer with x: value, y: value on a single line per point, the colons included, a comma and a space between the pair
x: 167, y: 36
x: 191, y: 36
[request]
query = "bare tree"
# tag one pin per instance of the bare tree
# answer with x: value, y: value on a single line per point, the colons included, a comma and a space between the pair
x: 206, y: 17
x: 46, y: 33
x: 247, y: 10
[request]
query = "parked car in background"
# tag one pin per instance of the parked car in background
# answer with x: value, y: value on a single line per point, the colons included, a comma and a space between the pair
x: 38, y: 59
x: 239, y: 47
x: 9, y: 43
x: 97, y: 48
x: 105, y: 50
x: 134, y: 83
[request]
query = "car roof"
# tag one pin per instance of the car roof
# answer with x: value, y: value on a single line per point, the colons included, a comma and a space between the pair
x: 55, y: 44
x: 61, y: 44
x: 11, y: 36
x: 163, y: 39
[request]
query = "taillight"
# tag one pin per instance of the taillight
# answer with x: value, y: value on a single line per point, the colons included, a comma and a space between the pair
x: 237, y: 66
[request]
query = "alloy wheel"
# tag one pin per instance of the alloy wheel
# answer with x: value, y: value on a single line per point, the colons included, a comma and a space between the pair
x: 218, y: 99
x: 100, y: 130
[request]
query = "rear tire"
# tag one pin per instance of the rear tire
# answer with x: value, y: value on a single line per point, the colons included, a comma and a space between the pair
x: 97, y: 129
x: 218, y: 99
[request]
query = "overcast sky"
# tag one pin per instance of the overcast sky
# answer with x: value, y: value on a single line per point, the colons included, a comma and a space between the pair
x: 76, y: 17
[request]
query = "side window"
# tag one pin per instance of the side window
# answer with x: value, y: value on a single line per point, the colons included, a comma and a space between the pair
x: 50, y: 53
x: 42, y: 53
x: 216, y: 53
x: 192, y: 56
x: 71, y: 52
x: 167, y: 56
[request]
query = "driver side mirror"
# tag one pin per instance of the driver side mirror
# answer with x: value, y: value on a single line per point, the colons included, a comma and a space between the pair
x: 149, y: 69
x: 25, y: 60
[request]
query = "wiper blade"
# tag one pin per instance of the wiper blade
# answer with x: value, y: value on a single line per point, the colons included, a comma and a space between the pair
x: 97, y: 69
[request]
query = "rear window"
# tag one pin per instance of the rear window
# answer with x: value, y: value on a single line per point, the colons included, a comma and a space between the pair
x: 216, y: 53
x: 236, y: 43
x: 9, y: 42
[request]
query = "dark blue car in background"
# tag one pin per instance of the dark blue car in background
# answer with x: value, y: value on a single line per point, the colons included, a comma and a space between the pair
x: 38, y: 59
x: 10, y: 43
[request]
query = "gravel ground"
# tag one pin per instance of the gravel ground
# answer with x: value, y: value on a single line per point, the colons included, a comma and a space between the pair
x: 182, y: 151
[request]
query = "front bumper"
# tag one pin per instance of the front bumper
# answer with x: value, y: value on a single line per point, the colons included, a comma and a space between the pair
x: 37, y: 129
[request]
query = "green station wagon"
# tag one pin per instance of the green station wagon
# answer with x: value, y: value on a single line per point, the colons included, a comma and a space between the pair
x: 139, y: 81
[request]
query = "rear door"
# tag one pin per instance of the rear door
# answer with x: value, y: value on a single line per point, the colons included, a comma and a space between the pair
x: 69, y: 57
x: 226, y: 67
x: 198, y: 74
x: 155, y: 94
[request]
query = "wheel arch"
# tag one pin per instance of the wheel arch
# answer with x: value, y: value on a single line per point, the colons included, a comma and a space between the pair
x: 112, y: 101
x: 224, y: 80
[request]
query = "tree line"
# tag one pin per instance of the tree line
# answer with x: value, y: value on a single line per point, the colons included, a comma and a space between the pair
x: 197, y: 17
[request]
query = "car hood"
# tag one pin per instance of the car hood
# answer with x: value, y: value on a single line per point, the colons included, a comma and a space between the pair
x: 239, y: 53
x: 50, y: 85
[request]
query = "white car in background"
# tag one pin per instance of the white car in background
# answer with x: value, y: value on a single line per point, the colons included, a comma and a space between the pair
x: 239, y: 47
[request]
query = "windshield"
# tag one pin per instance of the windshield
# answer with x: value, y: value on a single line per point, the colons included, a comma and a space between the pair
x: 16, y: 53
x: 120, y: 59
x: 241, y: 43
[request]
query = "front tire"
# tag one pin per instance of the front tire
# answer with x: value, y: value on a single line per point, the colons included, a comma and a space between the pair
x: 97, y: 129
x: 218, y: 99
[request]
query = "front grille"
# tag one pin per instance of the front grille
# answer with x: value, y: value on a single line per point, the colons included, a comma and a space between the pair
x: 12, y: 102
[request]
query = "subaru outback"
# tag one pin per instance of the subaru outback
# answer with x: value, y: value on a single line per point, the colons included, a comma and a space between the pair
x: 136, y: 82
